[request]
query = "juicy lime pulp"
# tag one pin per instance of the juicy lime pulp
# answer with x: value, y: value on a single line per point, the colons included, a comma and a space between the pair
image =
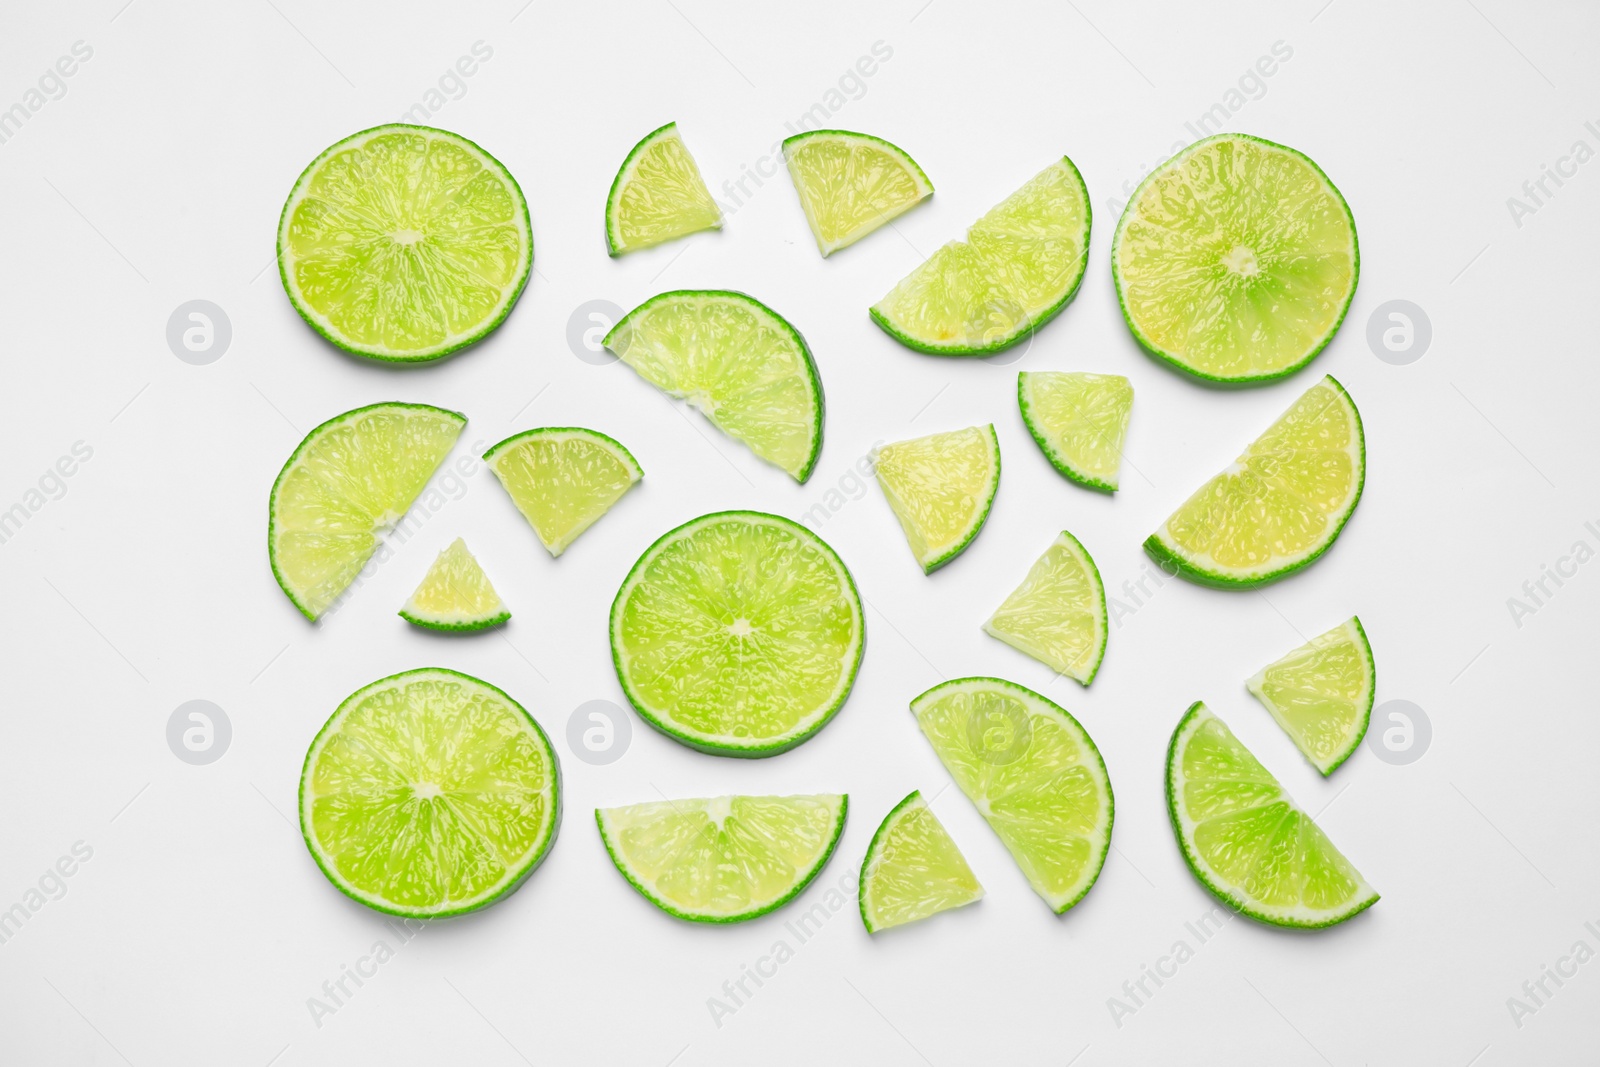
x: 1280, y: 505
x: 1058, y: 614
x: 1019, y: 266
x: 1034, y: 774
x: 563, y: 479
x: 738, y: 633
x: 1079, y: 421
x: 851, y: 183
x: 737, y: 361
x: 351, y: 478
x: 1236, y: 260
x: 941, y: 488
x: 1321, y: 694
x: 913, y: 869
x: 404, y: 243
x: 455, y: 595
x: 723, y: 859
x: 658, y: 195
x: 1246, y: 840
x: 429, y: 793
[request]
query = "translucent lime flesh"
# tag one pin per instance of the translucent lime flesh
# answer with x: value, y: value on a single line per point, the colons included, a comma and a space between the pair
x: 1058, y: 614
x: 1281, y: 503
x: 563, y: 480
x: 405, y: 243
x: 455, y: 594
x: 351, y: 478
x: 913, y: 869
x: 658, y: 195
x: 738, y: 633
x: 1246, y: 839
x: 1321, y: 694
x: 429, y: 793
x: 1034, y: 774
x: 723, y: 859
x: 850, y: 184
x: 1236, y: 259
x: 736, y: 360
x: 1079, y: 420
x: 941, y: 488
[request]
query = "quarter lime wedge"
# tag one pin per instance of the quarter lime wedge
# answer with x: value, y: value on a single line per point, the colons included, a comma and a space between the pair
x: 1236, y: 260
x: 404, y: 243
x: 851, y: 183
x: 913, y: 869
x: 352, y: 478
x: 455, y: 595
x: 941, y: 488
x: 1279, y: 506
x: 737, y: 361
x: 658, y: 195
x: 723, y: 859
x: 429, y: 793
x: 1246, y: 840
x: 1058, y: 614
x: 1034, y: 774
x: 1079, y: 421
x: 562, y: 479
x: 738, y: 633
x: 1321, y: 694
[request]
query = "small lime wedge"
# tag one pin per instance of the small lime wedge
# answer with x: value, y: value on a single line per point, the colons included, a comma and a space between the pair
x: 658, y: 195
x: 563, y: 479
x: 1321, y: 693
x: 913, y: 869
x: 941, y: 488
x: 851, y: 183
x: 1079, y: 421
x: 1058, y: 614
x: 455, y: 595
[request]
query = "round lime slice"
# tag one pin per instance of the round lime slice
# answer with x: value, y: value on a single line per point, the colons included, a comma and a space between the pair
x: 404, y: 243
x: 735, y: 360
x: 1079, y: 421
x: 1280, y: 505
x: 851, y: 183
x: 563, y: 479
x: 723, y: 859
x: 941, y: 488
x: 352, y: 478
x: 429, y: 793
x: 658, y: 195
x: 455, y: 595
x: 738, y: 633
x: 1321, y: 694
x: 913, y: 869
x: 1246, y: 840
x: 1236, y: 260
x: 1058, y: 614
x: 1033, y: 773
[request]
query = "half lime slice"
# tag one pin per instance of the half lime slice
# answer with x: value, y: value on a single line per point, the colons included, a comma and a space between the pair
x: 1016, y: 270
x: 737, y: 361
x: 913, y: 869
x: 1321, y: 693
x: 404, y: 243
x: 851, y: 183
x: 1033, y: 772
x: 1058, y: 614
x: 738, y: 633
x: 351, y: 479
x: 1279, y: 506
x: 1246, y: 840
x: 1079, y: 421
x: 941, y: 488
x: 429, y: 793
x: 562, y: 479
x: 723, y: 859
x: 455, y: 595
x: 1236, y: 260
x: 658, y: 195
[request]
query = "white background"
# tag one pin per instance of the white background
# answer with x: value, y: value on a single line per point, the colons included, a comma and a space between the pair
x: 200, y: 927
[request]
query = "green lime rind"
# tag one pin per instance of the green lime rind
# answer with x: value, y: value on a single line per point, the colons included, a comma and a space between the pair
x: 613, y: 225
x: 1174, y: 360
x: 1170, y: 560
x: 1076, y: 547
x: 918, y: 177
x: 472, y: 627
x: 289, y: 464
x: 513, y: 292
x: 980, y: 518
x: 1058, y: 459
x: 508, y: 885
x: 798, y: 736
x: 722, y: 920
x: 799, y: 472
x: 1333, y: 763
x: 1231, y: 896
x: 550, y: 431
x: 874, y: 854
